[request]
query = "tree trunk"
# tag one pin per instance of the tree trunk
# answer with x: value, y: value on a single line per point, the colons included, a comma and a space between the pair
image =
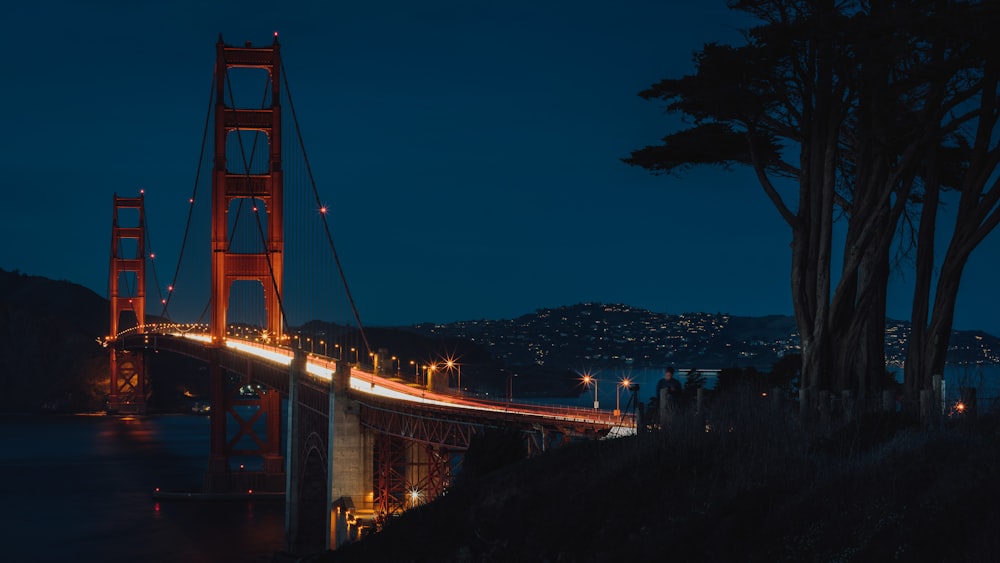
x: 913, y: 369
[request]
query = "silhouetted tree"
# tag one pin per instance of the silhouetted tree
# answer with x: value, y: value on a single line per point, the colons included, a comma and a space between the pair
x: 695, y: 380
x: 852, y: 101
x: 785, y: 372
x: 733, y: 377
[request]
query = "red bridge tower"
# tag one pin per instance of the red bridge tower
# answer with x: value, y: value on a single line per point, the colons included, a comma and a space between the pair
x: 128, y: 373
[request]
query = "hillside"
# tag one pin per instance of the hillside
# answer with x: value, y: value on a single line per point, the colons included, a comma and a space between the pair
x: 616, y: 335
x: 766, y: 491
x: 48, y: 344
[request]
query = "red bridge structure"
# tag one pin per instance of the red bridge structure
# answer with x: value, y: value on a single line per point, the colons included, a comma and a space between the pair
x: 357, y: 442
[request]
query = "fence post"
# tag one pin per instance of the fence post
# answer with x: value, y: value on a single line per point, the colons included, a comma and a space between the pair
x: 824, y: 406
x: 888, y: 402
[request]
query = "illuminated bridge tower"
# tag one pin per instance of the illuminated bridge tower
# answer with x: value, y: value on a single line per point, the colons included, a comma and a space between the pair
x: 230, y: 184
x: 128, y: 375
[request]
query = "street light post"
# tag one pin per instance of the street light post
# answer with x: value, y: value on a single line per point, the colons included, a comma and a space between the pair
x: 336, y: 349
x: 451, y: 364
x: 323, y: 344
x: 587, y: 380
x: 624, y: 383
x: 430, y: 373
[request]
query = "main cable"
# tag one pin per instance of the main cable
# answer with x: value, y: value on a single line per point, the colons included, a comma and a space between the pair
x: 194, y: 194
x: 326, y: 225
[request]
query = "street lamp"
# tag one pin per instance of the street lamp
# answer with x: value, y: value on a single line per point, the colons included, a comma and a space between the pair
x: 624, y: 383
x: 587, y: 380
x: 337, y: 350
x: 323, y: 344
x: 430, y: 370
x: 355, y: 350
x: 452, y: 364
x: 310, y: 341
x: 510, y: 386
x: 395, y: 359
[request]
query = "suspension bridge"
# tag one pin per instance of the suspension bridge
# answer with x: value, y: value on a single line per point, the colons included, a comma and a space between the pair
x: 355, y: 439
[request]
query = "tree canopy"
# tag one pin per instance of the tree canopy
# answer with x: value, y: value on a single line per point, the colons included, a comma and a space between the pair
x: 870, y: 109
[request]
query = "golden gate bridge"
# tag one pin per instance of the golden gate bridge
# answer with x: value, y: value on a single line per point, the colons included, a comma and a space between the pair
x: 355, y: 438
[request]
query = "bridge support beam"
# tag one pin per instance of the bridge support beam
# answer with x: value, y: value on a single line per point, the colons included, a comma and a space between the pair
x: 128, y: 382
x: 237, y: 182
x: 307, y: 493
x: 128, y: 267
x: 240, y: 458
x: 351, y: 451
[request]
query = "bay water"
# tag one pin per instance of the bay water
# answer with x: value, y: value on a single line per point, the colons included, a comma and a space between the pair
x: 80, y: 488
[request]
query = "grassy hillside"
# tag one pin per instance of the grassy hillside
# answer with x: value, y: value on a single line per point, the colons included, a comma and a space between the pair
x: 757, y: 487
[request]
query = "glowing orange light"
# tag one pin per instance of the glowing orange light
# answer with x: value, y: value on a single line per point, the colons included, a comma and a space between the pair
x: 960, y: 407
x: 322, y: 209
x: 152, y: 255
x: 142, y: 192
x: 255, y: 209
x: 249, y: 491
x: 157, y: 489
x: 191, y: 200
x: 170, y: 288
x: 164, y: 301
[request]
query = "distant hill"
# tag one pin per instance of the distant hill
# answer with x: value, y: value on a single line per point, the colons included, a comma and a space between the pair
x: 612, y: 335
x: 49, y: 355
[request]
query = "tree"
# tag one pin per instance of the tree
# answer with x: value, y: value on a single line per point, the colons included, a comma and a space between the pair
x: 847, y: 100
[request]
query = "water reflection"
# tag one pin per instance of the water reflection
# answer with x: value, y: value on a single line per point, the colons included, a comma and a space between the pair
x: 80, y: 488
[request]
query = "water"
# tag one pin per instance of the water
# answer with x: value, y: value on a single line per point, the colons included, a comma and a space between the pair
x: 79, y: 488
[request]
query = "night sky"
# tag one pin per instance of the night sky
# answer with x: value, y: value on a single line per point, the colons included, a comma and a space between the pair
x: 483, y: 139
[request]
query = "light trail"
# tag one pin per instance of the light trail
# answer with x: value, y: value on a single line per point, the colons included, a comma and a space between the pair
x: 378, y: 386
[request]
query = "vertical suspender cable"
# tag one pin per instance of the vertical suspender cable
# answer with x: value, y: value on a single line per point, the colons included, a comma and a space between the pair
x: 326, y: 225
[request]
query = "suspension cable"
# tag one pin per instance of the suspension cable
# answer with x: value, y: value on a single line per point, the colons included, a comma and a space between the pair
x: 326, y: 225
x: 152, y: 258
x: 194, y: 194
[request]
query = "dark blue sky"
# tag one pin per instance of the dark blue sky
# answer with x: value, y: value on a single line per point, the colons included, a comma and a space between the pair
x: 479, y: 143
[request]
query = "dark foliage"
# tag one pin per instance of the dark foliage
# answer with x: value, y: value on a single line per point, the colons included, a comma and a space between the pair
x: 755, y: 492
x: 490, y: 450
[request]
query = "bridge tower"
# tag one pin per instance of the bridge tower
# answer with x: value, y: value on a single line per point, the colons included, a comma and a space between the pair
x: 229, y: 185
x: 128, y: 375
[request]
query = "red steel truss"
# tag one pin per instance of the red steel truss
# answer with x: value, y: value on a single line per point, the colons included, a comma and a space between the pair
x: 127, y: 391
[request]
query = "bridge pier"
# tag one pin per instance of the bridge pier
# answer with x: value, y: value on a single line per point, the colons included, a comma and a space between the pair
x: 237, y: 412
x: 128, y: 382
x: 351, y: 447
